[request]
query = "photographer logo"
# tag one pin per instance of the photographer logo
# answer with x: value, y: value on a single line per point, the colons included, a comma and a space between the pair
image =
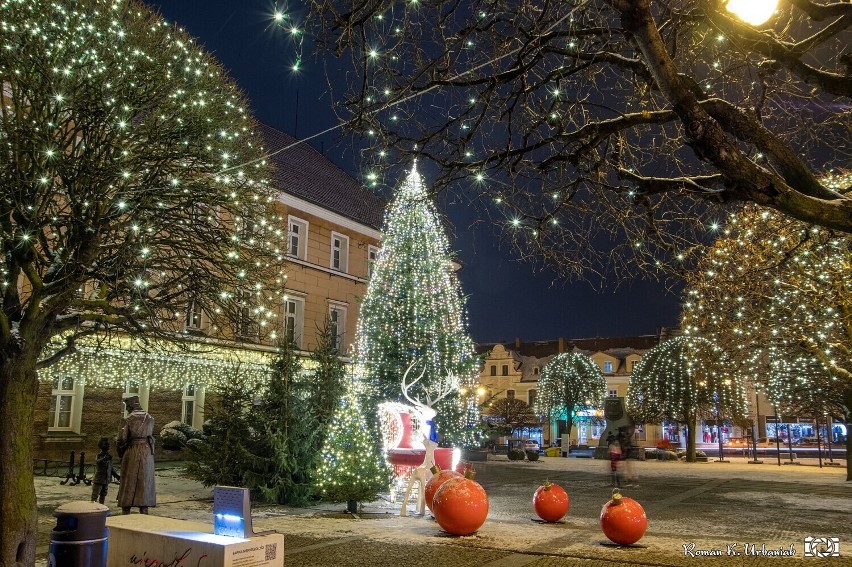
x: 822, y: 546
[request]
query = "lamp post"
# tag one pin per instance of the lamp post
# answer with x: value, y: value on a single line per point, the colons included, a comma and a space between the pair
x: 755, y: 428
x: 719, y: 426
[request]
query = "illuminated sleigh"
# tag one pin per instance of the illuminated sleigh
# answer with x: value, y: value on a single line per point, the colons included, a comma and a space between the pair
x: 413, y: 456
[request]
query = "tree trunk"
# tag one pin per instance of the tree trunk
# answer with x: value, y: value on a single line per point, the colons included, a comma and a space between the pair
x: 690, y: 441
x: 18, y: 516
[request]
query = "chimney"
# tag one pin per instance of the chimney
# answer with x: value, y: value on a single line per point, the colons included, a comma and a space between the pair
x: 561, y: 344
x: 517, y: 343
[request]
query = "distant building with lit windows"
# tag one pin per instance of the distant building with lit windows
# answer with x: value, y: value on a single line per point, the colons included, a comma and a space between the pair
x: 333, y: 227
x: 511, y: 370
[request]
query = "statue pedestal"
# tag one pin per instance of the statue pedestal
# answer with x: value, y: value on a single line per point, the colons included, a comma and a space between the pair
x: 140, y: 539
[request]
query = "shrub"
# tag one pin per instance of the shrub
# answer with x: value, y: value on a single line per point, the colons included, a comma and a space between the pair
x: 532, y: 455
x: 516, y: 455
x: 664, y: 444
x: 177, y: 434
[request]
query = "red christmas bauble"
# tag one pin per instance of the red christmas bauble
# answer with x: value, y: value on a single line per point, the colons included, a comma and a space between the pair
x: 550, y: 502
x: 460, y: 505
x: 438, y: 479
x: 623, y: 520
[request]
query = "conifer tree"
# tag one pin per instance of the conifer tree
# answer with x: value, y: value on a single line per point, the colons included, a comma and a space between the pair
x: 414, y: 312
x: 352, y: 468
x: 230, y: 448
x: 290, y: 429
x: 327, y: 383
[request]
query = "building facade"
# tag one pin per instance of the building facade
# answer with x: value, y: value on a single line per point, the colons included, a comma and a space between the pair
x: 511, y: 370
x: 333, y: 228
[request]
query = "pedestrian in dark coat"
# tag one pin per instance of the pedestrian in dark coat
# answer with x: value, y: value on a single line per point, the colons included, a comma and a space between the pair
x: 136, y: 439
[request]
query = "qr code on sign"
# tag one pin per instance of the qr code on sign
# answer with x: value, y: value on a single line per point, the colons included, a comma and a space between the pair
x: 271, y: 551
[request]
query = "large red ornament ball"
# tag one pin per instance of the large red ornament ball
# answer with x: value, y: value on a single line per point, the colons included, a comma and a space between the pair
x: 460, y: 505
x: 439, y: 477
x: 623, y: 520
x: 550, y: 502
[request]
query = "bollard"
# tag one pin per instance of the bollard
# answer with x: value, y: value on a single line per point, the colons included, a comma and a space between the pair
x: 80, y: 536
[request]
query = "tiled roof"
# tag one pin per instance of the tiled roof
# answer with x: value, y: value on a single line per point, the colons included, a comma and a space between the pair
x: 541, y: 349
x: 303, y: 172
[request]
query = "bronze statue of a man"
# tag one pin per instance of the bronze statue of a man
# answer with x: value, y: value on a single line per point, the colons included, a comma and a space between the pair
x: 136, y: 445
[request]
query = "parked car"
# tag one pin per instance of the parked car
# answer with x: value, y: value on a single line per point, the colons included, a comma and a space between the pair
x: 531, y: 445
x: 736, y: 442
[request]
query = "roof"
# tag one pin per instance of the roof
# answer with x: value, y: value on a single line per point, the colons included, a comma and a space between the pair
x: 303, y: 172
x: 542, y: 349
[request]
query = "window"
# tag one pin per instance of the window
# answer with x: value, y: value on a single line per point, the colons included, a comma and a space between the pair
x: 510, y: 394
x: 531, y: 398
x: 294, y: 319
x: 535, y: 370
x: 339, y: 252
x: 613, y: 393
x: 337, y: 315
x: 188, y: 404
x: 494, y: 370
x: 631, y: 363
x: 372, y: 256
x: 61, y: 404
x: 639, y: 433
x: 297, y: 238
x: 192, y: 321
x: 505, y: 370
x: 608, y: 366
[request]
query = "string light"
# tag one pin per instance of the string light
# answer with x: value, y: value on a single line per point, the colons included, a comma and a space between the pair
x: 569, y: 379
x: 414, y: 311
x: 775, y: 300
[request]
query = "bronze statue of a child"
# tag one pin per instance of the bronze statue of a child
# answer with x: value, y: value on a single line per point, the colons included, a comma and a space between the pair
x: 104, y: 473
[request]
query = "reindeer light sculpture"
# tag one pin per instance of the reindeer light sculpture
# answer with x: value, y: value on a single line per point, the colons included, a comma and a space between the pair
x: 426, y: 414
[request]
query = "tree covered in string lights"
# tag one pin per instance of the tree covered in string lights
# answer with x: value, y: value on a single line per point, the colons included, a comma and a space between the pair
x: 683, y: 380
x: 603, y: 132
x: 569, y: 382
x: 134, y: 186
x: 777, y: 293
x: 413, y: 313
x: 352, y: 467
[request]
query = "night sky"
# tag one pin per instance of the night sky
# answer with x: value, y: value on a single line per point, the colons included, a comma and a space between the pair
x: 505, y: 298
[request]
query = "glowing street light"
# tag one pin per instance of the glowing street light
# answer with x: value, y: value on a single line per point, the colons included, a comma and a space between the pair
x: 754, y: 12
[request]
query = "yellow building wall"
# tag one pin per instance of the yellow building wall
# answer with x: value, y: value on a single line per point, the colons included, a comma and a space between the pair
x: 314, y: 281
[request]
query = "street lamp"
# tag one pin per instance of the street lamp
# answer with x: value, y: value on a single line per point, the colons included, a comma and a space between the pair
x: 754, y: 12
x: 754, y: 426
x: 727, y: 382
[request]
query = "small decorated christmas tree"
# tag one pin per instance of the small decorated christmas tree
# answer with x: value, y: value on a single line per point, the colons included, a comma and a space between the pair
x: 352, y: 468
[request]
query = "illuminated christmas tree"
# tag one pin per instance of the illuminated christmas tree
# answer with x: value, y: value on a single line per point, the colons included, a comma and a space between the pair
x: 414, y: 312
x: 683, y: 380
x: 352, y: 468
x: 569, y: 382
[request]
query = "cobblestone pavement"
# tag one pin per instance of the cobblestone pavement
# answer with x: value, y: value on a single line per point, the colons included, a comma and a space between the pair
x: 711, y: 505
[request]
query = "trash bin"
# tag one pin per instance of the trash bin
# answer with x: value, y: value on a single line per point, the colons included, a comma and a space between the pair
x: 80, y: 536
x: 551, y: 452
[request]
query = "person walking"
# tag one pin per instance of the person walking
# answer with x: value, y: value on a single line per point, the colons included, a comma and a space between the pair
x: 614, y: 456
x: 136, y: 449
